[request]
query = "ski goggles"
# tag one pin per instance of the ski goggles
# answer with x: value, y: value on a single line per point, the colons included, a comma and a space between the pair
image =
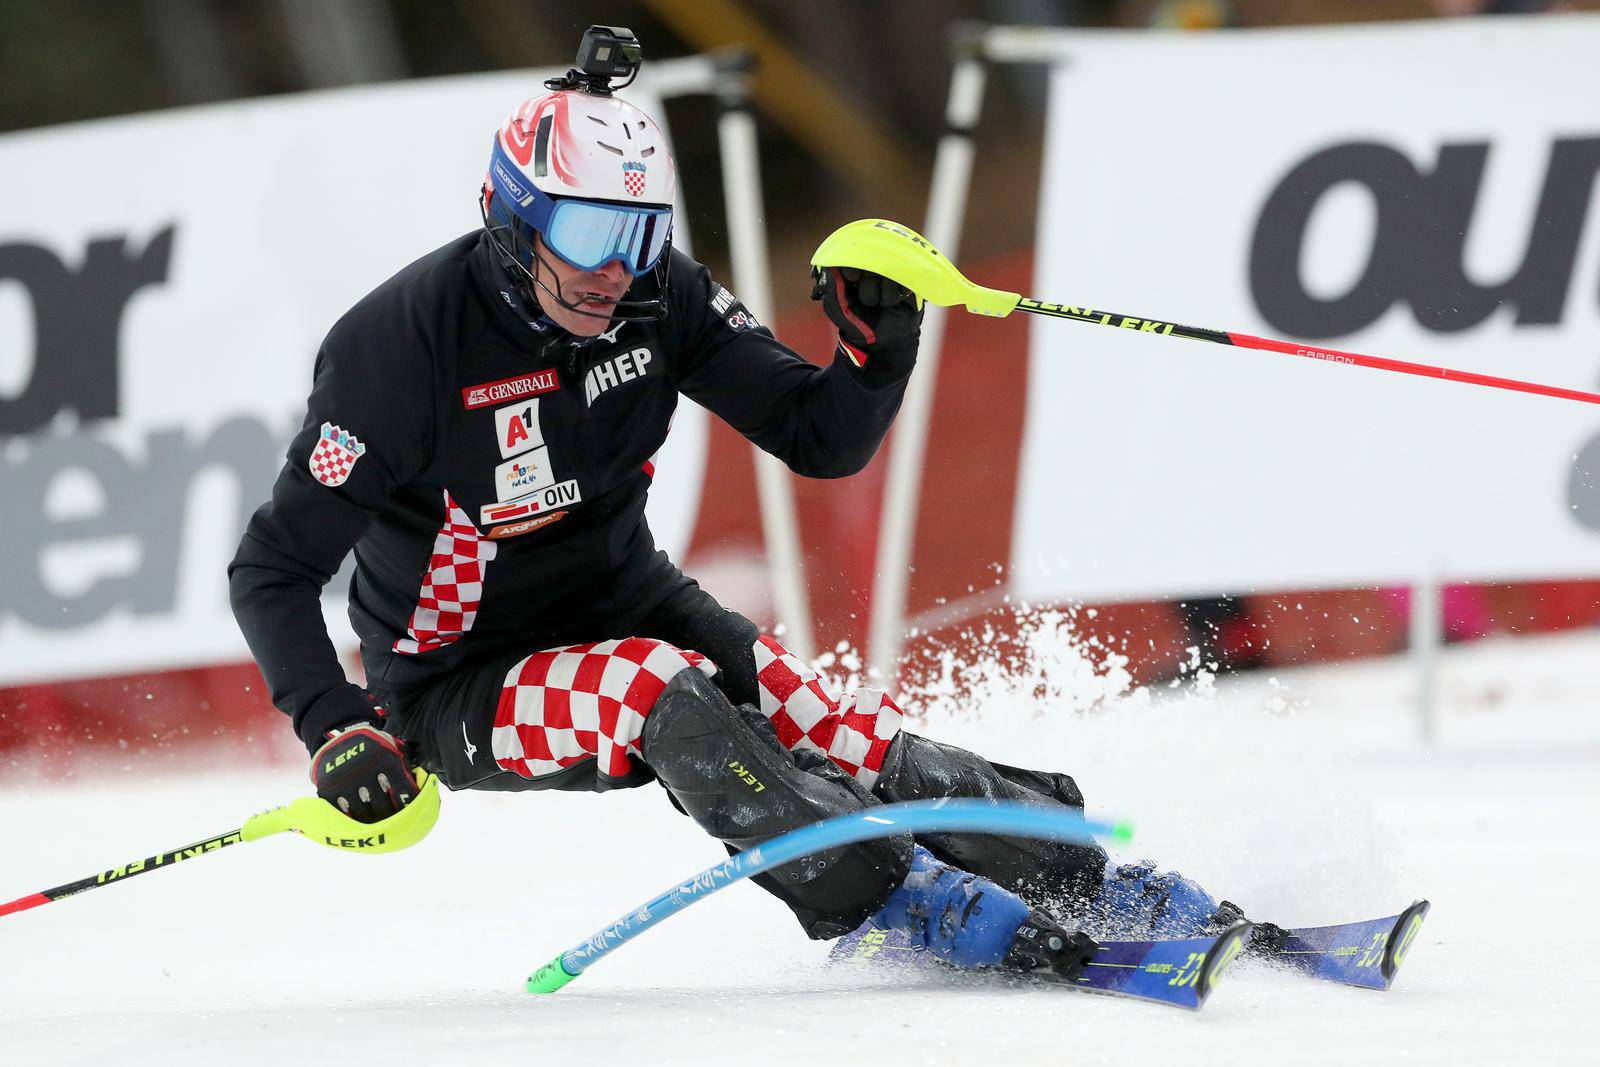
x: 587, y: 234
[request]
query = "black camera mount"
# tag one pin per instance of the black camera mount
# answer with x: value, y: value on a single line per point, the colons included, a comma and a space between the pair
x: 605, y: 52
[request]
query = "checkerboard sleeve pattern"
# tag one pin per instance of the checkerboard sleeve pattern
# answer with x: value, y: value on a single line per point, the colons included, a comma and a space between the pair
x: 854, y: 732
x: 447, y: 603
x: 565, y: 705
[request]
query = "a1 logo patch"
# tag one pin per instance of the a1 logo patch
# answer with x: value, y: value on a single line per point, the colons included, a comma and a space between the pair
x: 517, y: 428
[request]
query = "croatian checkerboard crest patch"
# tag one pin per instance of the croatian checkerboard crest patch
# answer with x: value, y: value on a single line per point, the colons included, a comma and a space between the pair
x: 335, y: 455
x: 633, y: 177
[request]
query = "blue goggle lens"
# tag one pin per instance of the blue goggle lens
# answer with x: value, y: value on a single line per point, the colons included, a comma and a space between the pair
x: 589, y: 235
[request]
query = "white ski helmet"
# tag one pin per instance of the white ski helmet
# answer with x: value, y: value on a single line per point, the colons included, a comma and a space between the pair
x: 591, y: 175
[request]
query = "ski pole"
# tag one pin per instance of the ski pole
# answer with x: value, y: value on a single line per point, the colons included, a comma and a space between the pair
x: 310, y: 817
x: 897, y: 252
x: 916, y: 817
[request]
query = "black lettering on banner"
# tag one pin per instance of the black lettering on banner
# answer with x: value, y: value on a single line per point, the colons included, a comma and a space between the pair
x: 77, y: 316
x: 1424, y: 218
x: 143, y: 499
x: 142, y: 492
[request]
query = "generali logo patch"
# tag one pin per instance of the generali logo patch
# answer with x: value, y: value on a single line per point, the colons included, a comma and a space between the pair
x: 507, y: 389
x: 517, y: 529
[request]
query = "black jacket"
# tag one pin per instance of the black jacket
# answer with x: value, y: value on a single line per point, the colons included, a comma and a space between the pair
x: 491, y: 474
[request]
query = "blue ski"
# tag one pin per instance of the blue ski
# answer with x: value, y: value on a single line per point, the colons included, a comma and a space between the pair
x: 1366, y: 954
x: 1168, y: 972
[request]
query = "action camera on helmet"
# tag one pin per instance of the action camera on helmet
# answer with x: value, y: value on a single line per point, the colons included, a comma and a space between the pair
x: 605, y: 52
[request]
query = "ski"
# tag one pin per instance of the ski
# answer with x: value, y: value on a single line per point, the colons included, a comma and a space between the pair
x: 1182, y: 973
x: 1366, y: 954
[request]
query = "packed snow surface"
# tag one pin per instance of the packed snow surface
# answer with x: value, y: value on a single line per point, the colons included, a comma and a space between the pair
x: 1308, y: 797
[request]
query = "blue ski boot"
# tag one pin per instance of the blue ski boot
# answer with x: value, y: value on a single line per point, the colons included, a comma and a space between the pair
x: 969, y: 921
x: 1136, y: 900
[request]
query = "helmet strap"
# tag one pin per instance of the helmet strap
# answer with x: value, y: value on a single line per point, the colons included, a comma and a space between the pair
x: 650, y: 310
x: 622, y: 311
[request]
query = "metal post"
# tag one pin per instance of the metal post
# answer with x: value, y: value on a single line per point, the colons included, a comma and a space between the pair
x: 1427, y: 617
x: 747, y: 241
x: 947, y: 199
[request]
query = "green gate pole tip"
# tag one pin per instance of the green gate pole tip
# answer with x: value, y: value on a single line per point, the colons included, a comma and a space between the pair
x: 549, y: 978
x: 1122, y: 833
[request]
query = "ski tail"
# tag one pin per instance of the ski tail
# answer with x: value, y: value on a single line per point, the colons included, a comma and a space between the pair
x: 1405, y: 931
x: 1182, y: 973
x: 1366, y: 954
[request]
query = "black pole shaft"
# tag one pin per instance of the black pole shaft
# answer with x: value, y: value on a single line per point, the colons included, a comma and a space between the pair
x: 1120, y: 321
x: 124, y: 872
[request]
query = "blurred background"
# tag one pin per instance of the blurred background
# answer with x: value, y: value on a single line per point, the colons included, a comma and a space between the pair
x: 849, y: 100
x: 850, y: 97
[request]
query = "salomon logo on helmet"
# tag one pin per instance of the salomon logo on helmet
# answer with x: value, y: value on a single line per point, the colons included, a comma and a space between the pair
x: 507, y: 184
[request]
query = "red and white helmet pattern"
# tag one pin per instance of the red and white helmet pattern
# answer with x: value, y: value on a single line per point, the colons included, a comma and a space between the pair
x: 578, y: 144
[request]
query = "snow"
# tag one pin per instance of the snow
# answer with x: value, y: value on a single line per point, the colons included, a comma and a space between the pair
x: 1306, y: 797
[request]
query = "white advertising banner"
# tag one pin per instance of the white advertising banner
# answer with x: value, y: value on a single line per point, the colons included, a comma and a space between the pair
x: 1424, y: 192
x: 165, y: 281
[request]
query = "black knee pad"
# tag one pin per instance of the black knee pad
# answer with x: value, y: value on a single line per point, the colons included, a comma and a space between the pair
x: 1060, y: 873
x: 731, y: 777
x: 741, y: 786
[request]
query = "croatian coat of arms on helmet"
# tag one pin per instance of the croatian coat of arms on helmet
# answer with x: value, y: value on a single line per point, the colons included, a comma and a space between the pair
x: 633, y: 177
x: 335, y: 455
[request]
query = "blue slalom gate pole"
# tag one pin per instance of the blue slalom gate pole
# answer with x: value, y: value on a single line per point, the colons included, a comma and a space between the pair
x: 915, y: 817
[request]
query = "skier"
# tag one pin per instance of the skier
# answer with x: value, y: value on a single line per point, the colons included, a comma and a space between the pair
x: 480, y: 432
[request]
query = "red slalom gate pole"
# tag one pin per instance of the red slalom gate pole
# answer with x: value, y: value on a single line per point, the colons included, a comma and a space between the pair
x: 1290, y: 348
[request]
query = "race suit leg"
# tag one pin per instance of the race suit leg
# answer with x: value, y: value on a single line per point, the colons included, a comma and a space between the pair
x: 724, y: 768
x: 897, y: 765
x: 465, y: 728
x: 616, y: 713
x: 1065, y: 875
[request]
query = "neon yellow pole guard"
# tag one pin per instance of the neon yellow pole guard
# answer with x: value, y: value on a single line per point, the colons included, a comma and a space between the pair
x: 900, y: 253
x: 316, y: 820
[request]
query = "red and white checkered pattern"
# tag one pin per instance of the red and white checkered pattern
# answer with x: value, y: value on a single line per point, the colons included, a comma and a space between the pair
x: 447, y: 603
x: 565, y: 705
x: 855, y: 733
x: 335, y: 455
x: 633, y: 180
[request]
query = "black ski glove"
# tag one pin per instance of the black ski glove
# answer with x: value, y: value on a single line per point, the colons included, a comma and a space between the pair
x: 879, y: 319
x: 363, y: 771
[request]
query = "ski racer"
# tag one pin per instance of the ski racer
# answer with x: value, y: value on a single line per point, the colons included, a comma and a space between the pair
x: 480, y: 432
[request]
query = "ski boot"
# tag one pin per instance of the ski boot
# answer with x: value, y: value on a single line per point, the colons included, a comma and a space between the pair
x: 1266, y: 939
x: 1136, y: 900
x: 1139, y: 901
x: 967, y: 920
